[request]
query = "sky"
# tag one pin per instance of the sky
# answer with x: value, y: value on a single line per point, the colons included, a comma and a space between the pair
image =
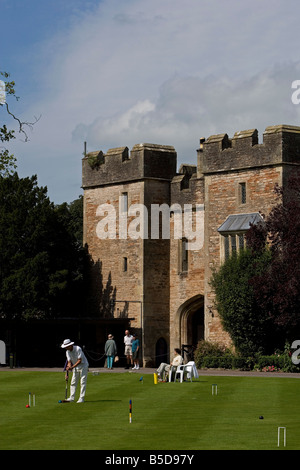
x: 117, y: 73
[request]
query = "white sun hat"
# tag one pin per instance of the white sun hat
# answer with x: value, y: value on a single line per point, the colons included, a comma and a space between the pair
x: 66, y: 343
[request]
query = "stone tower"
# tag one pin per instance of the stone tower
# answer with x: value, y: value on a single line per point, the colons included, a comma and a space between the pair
x: 138, y: 265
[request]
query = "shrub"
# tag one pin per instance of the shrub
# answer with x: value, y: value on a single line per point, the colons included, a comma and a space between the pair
x: 212, y: 355
x: 276, y: 362
x: 215, y: 356
x: 215, y: 362
x: 249, y: 327
x: 206, y: 348
x: 242, y: 363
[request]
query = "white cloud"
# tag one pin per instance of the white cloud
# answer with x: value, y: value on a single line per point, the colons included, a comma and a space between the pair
x: 189, y: 107
x: 160, y: 71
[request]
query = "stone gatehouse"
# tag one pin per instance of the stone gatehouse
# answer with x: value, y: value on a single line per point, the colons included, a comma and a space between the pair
x: 159, y: 277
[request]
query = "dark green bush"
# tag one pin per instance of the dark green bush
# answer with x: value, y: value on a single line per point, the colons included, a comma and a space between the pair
x: 212, y: 355
x: 215, y: 362
x: 269, y: 361
x: 242, y: 363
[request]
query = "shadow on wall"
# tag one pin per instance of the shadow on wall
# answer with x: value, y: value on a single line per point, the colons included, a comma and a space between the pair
x: 100, y: 299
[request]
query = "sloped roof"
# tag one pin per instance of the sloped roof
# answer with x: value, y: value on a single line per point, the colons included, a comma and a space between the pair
x: 240, y: 222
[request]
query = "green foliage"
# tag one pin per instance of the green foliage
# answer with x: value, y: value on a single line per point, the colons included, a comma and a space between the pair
x: 8, y: 162
x: 250, y: 329
x: 71, y: 215
x: 279, y: 361
x: 206, y: 348
x: 212, y: 355
x: 277, y: 288
x: 95, y: 160
x: 41, y: 261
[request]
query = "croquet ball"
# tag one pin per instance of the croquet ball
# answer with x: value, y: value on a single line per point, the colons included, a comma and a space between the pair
x: 261, y: 417
x: 27, y: 406
x: 59, y: 401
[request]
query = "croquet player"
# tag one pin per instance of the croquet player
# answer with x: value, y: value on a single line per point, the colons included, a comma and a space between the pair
x: 78, y: 363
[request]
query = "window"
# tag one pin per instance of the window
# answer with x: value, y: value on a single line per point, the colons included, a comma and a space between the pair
x: 233, y: 232
x: 242, y: 193
x: 232, y: 244
x: 226, y: 246
x: 183, y: 256
x: 124, y: 203
x: 125, y: 265
x: 241, y: 238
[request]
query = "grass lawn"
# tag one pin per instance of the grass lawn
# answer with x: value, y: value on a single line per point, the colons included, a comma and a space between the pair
x: 166, y: 416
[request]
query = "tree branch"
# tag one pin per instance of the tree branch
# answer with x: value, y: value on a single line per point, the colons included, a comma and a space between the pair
x: 22, y: 124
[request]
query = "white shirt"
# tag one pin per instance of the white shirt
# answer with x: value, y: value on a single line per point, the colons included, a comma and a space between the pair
x: 177, y: 361
x: 128, y: 340
x: 76, y: 354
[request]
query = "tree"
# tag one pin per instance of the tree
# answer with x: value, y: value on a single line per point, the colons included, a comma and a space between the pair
x: 72, y: 217
x: 247, y: 324
x: 41, y: 262
x: 7, y: 160
x: 258, y: 291
x: 278, y: 288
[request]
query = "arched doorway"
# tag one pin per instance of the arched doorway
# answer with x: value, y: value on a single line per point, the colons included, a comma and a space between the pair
x: 190, y: 316
x: 195, y: 326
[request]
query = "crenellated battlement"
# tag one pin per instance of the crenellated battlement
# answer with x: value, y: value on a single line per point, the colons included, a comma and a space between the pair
x: 184, y: 184
x: 119, y: 166
x: 281, y: 144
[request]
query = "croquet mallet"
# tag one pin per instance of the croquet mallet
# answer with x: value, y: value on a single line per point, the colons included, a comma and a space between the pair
x: 67, y: 378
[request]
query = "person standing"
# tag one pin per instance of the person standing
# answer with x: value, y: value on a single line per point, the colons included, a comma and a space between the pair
x: 78, y: 363
x: 110, y: 349
x: 135, y: 351
x: 128, y: 348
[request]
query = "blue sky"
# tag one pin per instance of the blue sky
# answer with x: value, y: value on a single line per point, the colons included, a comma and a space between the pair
x: 122, y: 72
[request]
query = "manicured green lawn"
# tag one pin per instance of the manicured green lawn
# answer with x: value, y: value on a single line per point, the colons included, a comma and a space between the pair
x: 166, y: 416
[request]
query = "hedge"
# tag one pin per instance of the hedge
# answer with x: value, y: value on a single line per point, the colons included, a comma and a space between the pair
x: 225, y: 362
x: 271, y: 363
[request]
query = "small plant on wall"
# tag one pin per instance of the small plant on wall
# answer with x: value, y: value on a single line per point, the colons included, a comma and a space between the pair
x: 95, y: 159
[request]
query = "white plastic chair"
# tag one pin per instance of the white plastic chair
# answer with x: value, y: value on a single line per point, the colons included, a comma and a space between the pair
x: 191, y: 370
x: 171, y: 370
x: 179, y: 371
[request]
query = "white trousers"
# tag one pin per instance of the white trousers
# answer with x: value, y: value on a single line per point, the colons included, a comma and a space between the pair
x: 163, y: 368
x: 79, y: 373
